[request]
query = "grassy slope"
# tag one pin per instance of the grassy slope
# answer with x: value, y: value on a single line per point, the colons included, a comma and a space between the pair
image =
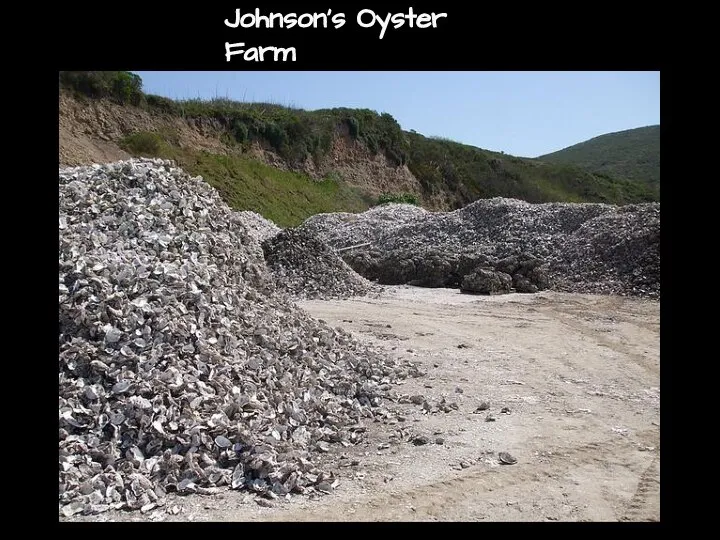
x: 285, y: 197
x: 471, y: 173
x: 462, y: 172
x: 632, y: 154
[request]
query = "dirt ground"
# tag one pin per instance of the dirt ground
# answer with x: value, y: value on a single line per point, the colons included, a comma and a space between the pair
x: 578, y: 374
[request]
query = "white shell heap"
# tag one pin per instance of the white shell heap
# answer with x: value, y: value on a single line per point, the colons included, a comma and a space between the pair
x: 180, y: 367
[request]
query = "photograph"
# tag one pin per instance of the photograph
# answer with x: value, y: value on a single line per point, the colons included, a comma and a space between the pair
x: 365, y: 295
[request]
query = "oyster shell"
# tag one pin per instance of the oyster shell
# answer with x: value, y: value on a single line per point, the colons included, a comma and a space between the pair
x: 183, y: 366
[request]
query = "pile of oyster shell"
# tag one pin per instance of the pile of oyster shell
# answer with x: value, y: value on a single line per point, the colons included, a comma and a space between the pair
x: 180, y: 368
x: 588, y: 247
x: 304, y: 267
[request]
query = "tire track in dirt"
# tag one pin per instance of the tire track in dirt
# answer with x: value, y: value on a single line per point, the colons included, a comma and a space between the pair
x: 606, y: 469
x: 569, y: 318
x: 439, y: 499
x: 645, y: 503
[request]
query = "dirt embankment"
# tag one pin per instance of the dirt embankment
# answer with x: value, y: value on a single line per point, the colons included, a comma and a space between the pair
x: 91, y: 132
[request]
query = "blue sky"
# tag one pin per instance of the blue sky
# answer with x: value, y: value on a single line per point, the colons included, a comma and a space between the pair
x: 520, y: 113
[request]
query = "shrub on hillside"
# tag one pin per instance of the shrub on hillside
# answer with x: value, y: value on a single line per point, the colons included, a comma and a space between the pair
x: 240, y: 131
x: 401, y: 198
x: 120, y: 86
x: 353, y: 127
x: 143, y: 143
x: 275, y: 135
x: 162, y: 104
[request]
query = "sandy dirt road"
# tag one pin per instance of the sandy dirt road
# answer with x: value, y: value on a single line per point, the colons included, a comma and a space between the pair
x: 578, y: 374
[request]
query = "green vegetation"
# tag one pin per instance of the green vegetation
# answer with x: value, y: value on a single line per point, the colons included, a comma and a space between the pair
x: 469, y: 173
x: 119, y: 86
x: 143, y: 143
x: 403, y: 198
x: 285, y: 197
x: 294, y: 134
x: 633, y: 154
x: 459, y: 172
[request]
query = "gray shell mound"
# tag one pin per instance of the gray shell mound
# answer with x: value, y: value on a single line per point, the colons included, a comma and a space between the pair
x: 596, y: 248
x: 180, y: 369
x: 306, y: 268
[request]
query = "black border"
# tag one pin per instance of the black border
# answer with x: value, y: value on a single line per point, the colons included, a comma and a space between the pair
x: 479, y: 37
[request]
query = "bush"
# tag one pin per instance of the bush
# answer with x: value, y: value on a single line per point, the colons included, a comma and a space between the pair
x: 353, y: 126
x: 143, y: 143
x: 162, y: 104
x: 400, y: 198
x: 120, y: 86
x: 275, y: 135
x: 240, y: 131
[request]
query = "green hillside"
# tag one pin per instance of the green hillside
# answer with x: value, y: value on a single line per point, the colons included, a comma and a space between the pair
x: 460, y: 173
x: 633, y: 154
x: 468, y: 173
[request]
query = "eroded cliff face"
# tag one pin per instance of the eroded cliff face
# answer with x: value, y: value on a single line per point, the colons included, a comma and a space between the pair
x: 91, y: 132
x: 373, y: 173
